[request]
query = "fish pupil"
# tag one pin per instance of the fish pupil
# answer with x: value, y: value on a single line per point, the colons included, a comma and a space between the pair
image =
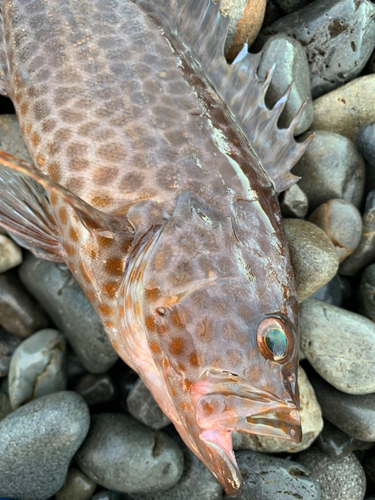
x: 276, y: 342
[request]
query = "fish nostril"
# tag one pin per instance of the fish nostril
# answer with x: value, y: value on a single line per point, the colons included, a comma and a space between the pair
x: 161, y: 311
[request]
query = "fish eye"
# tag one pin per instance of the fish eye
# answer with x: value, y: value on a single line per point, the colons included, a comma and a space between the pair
x: 274, y: 340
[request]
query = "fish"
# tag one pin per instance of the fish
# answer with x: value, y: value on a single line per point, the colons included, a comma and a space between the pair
x: 157, y: 167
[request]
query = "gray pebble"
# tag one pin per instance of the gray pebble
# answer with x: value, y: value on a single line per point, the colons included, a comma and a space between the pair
x: 144, y: 408
x: 96, y: 389
x: 37, y: 443
x: 340, y: 478
x: 338, y: 37
x: 267, y: 477
x: 366, y: 143
x: 294, y: 202
x: 291, y: 68
x: 331, y: 168
x: 77, y: 486
x: 292, y: 5
x: 335, y: 442
x: 107, y: 495
x: 366, y: 293
x: 340, y: 346
x: 37, y: 367
x: 54, y: 286
x: 8, y: 344
x: 123, y: 455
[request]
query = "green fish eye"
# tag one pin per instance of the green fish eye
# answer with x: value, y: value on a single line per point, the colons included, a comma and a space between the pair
x: 276, y: 343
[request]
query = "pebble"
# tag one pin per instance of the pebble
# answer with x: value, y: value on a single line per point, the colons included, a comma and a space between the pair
x: 96, y: 389
x: 364, y: 254
x: 312, y: 254
x: 366, y: 143
x: 107, y: 495
x: 77, y: 486
x: 291, y: 68
x: 335, y: 442
x: 37, y: 443
x: 346, y: 109
x: 339, y: 344
x: 37, y: 367
x: 54, y: 286
x: 144, y: 408
x: 354, y: 415
x: 10, y: 254
x: 331, y: 168
x: 311, y: 420
x: 5, y: 406
x: 119, y: 451
x: 74, y: 369
x: 289, y: 6
x: 334, y: 292
x: 11, y: 139
x: 366, y: 293
x: 340, y: 478
x: 338, y: 37
x: 294, y: 202
x: 273, y: 12
x: 342, y: 223
x: 8, y: 344
x: 20, y: 313
x: 269, y: 477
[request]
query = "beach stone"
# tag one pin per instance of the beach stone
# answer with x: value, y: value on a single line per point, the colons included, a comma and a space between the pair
x: 334, y: 292
x: 339, y: 344
x: 144, y: 408
x: 339, y: 477
x: 77, y: 486
x: 338, y: 37
x: 312, y: 254
x: 55, y: 287
x: 37, y: 367
x: 294, y: 202
x: 20, y: 313
x: 107, y: 495
x: 268, y: 477
x: 119, y: 451
x: 366, y: 143
x: 291, y: 69
x: 5, y: 406
x: 8, y: 344
x: 346, y: 109
x: 331, y: 168
x: 37, y: 443
x: 364, y: 254
x: 289, y: 6
x: 354, y: 415
x: 311, y: 422
x: 335, y: 442
x: 366, y: 293
x: 342, y: 223
x: 10, y: 254
x: 96, y: 389
x: 11, y: 139
x: 74, y: 369
x: 125, y: 378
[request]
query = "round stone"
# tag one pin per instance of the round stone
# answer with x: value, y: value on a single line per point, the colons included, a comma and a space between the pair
x: 366, y: 142
x: 335, y: 442
x: 10, y: 254
x: 366, y: 295
x: 294, y: 202
x: 77, y: 486
x: 144, y: 408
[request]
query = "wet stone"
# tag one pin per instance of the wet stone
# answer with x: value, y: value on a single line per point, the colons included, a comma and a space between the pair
x: 334, y: 292
x: 294, y: 202
x: 8, y: 344
x: 144, y: 408
x: 77, y: 486
x: 96, y: 389
x: 37, y: 367
x: 366, y: 143
x: 20, y: 313
x: 5, y: 406
x: 342, y: 223
x: 339, y: 477
x: 37, y: 443
x: 10, y: 254
x: 119, y: 451
x: 331, y: 168
x: 338, y: 37
x: 267, y: 477
x: 313, y: 256
x: 54, y: 286
x: 366, y: 293
x: 291, y: 69
x: 289, y: 6
x: 74, y: 369
x: 335, y: 442
x: 107, y: 495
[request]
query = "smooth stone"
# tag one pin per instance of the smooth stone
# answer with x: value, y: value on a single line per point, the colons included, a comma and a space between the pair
x: 333, y: 292
x: 37, y: 367
x: 364, y: 254
x: 331, y: 168
x: 311, y: 421
x: 11, y: 139
x: 5, y: 406
x: 346, y: 109
x: 354, y: 415
x: 10, y: 254
x: 366, y: 143
x: 289, y: 6
x: 339, y: 477
x: 291, y: 68
x: 37, y: 443
x: 268, y: 477
x: 54, y: 286
x: 312, y: 254
x: 119, y: 451
x: 342, y: 223
x: 339, y: 344
x: 77, y: 486
x: 144, y: 408
x: 8, y: 344
x: 74, y: 368
x: 294, y: 202
x: 125, y: 378
x: 366, y: 293
x: 107, y: 495
x: 335, y: 442
x: 96, y: 389
x: 338, y: 37
x: 20, y: 313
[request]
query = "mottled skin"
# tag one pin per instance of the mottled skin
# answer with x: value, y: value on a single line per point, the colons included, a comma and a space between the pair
x: 110, y: 109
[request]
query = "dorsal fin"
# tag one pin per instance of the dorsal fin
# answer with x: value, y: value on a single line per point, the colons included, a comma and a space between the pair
x: 202, y: 29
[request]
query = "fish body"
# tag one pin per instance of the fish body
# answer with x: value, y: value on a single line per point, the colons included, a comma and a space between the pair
x: 163, y: 204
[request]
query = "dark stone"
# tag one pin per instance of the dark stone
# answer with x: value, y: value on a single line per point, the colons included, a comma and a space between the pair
x: 366, y: 293
x: 273, y: 12
x: 366, y: 143
x: 107, y: 495
x: 77, y: 486
x: 144, y: 408
x: 335, y: 442
x: 8, y: 344
x: 334, y: 292
x: 289, y: 6
x: 96, y: 389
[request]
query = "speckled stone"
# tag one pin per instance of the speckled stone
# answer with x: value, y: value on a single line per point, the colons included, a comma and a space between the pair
x: 119, y: 451
x: 96, y: 389
x: 77, y: 486
x: 291, y: 69
x: 37, y: 443
x: 37, y: 367
x: 366, y: 293
x: 334, y: 442
x: 313, y: 256
x: 10, y: 254
x: 331, y: 168
x: 144, y: 408
x: 339, y: 345
x: 8, y: 344
x: 340, y: 478
x: 294, y: 202
x: 11, y: 139
x: 311, y: 421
